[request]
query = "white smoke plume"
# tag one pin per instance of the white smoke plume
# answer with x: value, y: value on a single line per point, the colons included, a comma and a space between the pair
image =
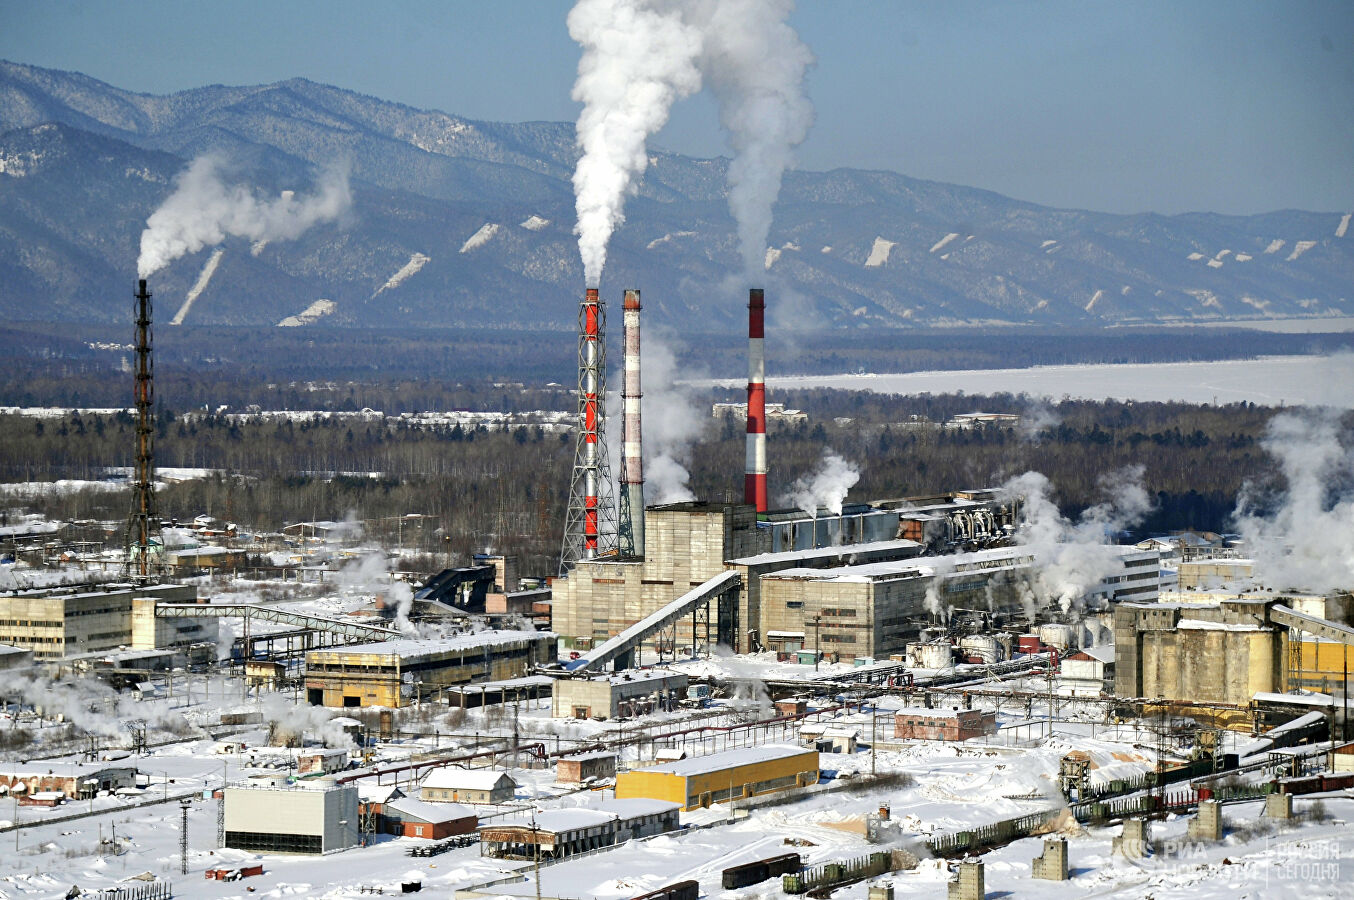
x: 1306, y: 542
x: 205, y: 210
x: 673, y: 422
x: 370, y: 575
x: 825, y: 487
x: 87, y: 703
x: 755, y: 64
x: 1072, y: 558
x: 292, y: 722
x: 639, y: 57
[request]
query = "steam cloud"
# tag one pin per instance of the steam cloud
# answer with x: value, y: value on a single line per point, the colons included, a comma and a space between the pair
x: 1071, y: 558
x: 1307, y: 542
x: 370, y: 574
x: 641, y: 56
x: 756, y: 64
x: 825, y: 487
x: 204, y: 210
x: 638, y: 58
x: 672, y: 423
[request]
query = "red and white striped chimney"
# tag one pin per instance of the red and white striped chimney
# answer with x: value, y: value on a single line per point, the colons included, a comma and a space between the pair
x: 591, y: 448
x: 754, y: 478
x: 630, y: 535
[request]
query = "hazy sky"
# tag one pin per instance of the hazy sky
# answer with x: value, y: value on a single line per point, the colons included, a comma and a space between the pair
x: 1164, y: 105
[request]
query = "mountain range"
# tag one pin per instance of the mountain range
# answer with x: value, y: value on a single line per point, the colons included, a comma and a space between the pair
x: 467, y: 223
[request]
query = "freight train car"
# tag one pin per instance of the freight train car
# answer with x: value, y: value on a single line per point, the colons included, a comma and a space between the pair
x: 682, y: 890
x: 760, y: 870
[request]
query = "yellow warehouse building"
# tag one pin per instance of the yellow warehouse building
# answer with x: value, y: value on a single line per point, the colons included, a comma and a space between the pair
x: 719, y: 777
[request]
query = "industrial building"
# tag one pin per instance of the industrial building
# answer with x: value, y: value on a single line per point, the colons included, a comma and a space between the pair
x: 721, y: 777
x: 688, y: 544
x: 558, y: 833
x: 409, y: 817
x: 874, y: 610
x: 580, y: 767
x: 478, y: 786
x: 72, y: 780
x: 921, y: 723
x: 1229, y: 650
x: 61, y: 622
x: 12, y: 657
x: 394, y: 673
x: 624, y: 694
x: 273, y: 815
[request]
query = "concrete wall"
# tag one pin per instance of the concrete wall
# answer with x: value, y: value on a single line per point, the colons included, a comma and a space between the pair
x: 602, y: 697
x: 88, y: 619
x: 301, y: 811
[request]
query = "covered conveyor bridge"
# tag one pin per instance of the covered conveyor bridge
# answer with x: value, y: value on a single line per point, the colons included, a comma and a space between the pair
x: 621, y: 648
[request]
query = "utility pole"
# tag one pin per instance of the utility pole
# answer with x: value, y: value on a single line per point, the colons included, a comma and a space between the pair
x: 184, y: 804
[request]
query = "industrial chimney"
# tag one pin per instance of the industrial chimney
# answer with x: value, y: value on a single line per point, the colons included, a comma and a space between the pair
x: 754, y: 479
x: 143, y: 519
x: 630, y: 518
x: 589, y: 525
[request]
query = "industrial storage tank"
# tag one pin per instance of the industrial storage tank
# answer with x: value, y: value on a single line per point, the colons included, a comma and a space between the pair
x: 983, y: 646
x: 1056, y: 634
x: 930, y: 655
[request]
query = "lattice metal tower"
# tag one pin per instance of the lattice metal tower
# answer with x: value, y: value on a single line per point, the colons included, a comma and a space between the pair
x: 144, y: 519
x: 590, y: 520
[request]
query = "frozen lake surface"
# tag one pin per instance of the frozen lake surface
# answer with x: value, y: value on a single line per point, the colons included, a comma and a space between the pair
x: 1269, y: 381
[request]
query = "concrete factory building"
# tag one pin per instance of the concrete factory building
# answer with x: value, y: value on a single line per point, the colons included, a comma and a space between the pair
x: 393, y: 673
x: 69, y: 621
x: 687, y: 544
x: 721, y: 777
x: 874, y: 610
x: 558, y: 833
x: 626, y: 693
x: 1228, y: 651
x: 270, y: 815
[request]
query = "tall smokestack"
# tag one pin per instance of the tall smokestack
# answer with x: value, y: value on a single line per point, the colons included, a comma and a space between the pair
x: 589, y: 527
x: 143, y: 519
x: 630, y: 526
x: 754, y: 478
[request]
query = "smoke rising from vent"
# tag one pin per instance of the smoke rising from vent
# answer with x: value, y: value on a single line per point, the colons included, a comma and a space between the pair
x: 1071, y: 558
x: 370, y: 574
x: 205, y: 210
x: 825, y: 487
x: 1307, y: 541
x: 755, y: 64
x: 638, y: 58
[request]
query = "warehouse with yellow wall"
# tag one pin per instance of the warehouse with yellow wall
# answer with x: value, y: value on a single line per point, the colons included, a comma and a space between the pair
x: 719, y: 777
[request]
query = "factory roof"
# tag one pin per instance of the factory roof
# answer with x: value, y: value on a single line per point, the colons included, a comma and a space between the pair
x: 921, y: 566
x: 633, y: 676
x: 1300, y: 698
x: 634, y: 807
x: 465, y: 779
x: 557, y: 821
x: 1202, y: 625
x: 715, y: 762
x: 594, y: 754
x: 407, y: 647
x: 9, y: 649
x: 58, y: 770
x: 762, y: 559
x: 423, y: 811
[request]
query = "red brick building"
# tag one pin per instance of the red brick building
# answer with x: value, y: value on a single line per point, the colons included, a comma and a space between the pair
x: 919, y: 723
x: 409, y: 817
